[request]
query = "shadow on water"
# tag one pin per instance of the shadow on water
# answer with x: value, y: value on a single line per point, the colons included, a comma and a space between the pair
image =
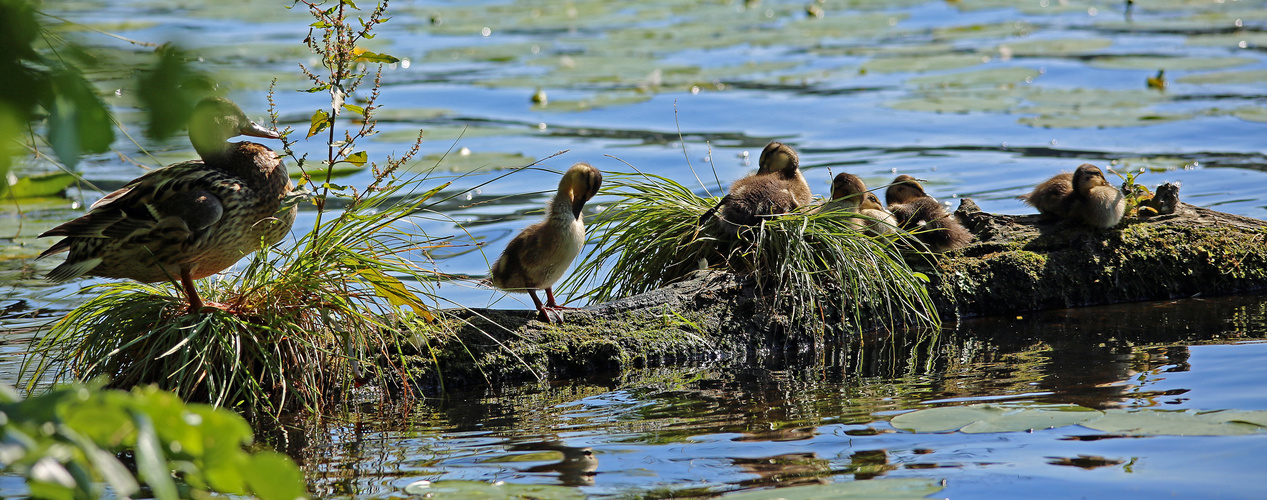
x: 706, y: 429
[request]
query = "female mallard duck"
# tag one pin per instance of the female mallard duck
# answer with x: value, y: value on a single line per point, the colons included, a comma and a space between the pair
x: 848, y: 192
x: 537, y: 257
x: 188, y: 220
x: 924, y: 216
x: 777, y: 187
x: 1083, y: 196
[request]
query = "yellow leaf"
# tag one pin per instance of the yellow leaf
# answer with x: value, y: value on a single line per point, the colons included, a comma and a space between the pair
x: 390, y: 288
x: 320, y: 120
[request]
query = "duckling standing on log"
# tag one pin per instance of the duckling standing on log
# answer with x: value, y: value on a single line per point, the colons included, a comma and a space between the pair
x: 1083, y: 196
x: 188, y: 220
x: 848, y: 192
x: 537, y: 257
x: 922, y: 214
x: 776, y: 188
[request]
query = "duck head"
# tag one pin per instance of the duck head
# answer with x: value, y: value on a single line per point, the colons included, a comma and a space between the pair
x: 215, y: 120
x: 1086, y: 178
x: 778, y: 157
x: 904, y: 189
x: 847, y: 185
x: 872, y: 202
x: 579, y: 184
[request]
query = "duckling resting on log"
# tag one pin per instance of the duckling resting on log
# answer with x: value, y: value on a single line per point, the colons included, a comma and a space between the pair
x: 848, y: 192
x: 924, y: 216
x: 537, y: 257
x: 188, y: 220
x: 776, y: 188
x: 1083, y: 196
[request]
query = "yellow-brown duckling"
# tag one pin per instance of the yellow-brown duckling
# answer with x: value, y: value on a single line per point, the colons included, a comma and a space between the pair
x: 1083, y: 196
x: 924, y: 216
x: 848, y: 192
x: 539, y: 255
x: 776, y: 188
x: 188, y: 220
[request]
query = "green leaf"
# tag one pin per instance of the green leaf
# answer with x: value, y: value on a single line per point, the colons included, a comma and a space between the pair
x: 392, y: 289
x: 374, y: 57
x: 272, y: 476
x: 1172, y: 423
x: 358, y: 158
x: 151, y: 464
x: 78, y: 121
x: 320, y: 121
x: 35, y: 186
x: 355, y: 109
x: 318, y: 88
x: 351, y: 4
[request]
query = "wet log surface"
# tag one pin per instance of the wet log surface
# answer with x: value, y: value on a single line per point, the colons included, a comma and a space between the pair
x: 1015, y: 264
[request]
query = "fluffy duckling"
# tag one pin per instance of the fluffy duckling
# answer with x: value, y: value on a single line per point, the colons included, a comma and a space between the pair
x: 1084, y: 196
x: 188, y: 220
x: 777, y: 187
x: 537, y: 257
x: 848, y: 192
x: 922, y: 214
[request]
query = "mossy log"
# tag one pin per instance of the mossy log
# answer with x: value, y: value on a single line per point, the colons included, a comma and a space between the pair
x: 1015, y: 264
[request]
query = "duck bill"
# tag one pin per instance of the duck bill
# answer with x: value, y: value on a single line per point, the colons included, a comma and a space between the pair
x: 576, y: 209
x: 255, y: 130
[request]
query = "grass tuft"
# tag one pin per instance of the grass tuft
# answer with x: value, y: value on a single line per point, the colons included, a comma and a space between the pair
x: 306, y: 324
x: 814, y: 266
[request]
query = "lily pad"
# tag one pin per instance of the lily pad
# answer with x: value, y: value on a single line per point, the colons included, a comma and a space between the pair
x: 1226, y: 77
x: 1060, y: 47
x: 442, y: 133
x: 977, y: 78
x: 1169, y: 63
x: 1239, y: 40
x: 960, y: 103
x: 911, y: 488
x: 470, y: 162
x: 1102, y: 119
x: 600, y: 100
x: 479, y: 490
x: 1251, y: 114
x: 919, y: 64
x: 975, y: 419
x: 1173, y: 423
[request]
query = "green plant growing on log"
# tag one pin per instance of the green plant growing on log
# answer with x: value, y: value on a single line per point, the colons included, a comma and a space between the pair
x: 1137, y: 195
x: 813, y: 265
x: 307, y: 322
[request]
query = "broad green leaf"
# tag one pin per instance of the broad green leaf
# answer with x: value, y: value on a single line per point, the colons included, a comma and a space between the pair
x: 358, y: 158
x: 1032, y: 418
x: 374, y: 57
x: 457, y: 162
x: 1169, y: 63
x: 78, y: 122
x: 272, y: 476
x: 38, y: 185
x: 911, y: 488
x: 320, y: 121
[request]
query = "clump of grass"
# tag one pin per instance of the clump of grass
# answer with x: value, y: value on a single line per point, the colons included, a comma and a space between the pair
x: 304, y: 325
x: 812, y: 265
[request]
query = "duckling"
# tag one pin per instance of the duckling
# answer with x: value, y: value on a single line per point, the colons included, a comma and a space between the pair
x: 190, y: 219
x: 848, y: 192
x: 539, y: 255
x: 777, y: 187
x: 915, y: 210
x: 1084, y: 196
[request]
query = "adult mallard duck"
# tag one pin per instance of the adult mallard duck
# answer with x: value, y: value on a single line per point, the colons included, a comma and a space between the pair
x: 539, y: 255
x: 924, y: 216
x: 188, y: 220
x: 777, y: 187
x: 1083, y: 196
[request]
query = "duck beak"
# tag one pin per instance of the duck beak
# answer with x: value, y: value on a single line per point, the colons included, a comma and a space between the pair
x: 255, y: 130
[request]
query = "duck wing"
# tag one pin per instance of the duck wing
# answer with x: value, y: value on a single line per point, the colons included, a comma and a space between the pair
x: 180, y: 198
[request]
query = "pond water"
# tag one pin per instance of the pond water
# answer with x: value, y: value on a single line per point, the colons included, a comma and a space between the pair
x: 982, y: 99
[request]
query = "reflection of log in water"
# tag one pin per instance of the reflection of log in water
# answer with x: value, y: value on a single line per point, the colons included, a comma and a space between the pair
x: 1016, y: 264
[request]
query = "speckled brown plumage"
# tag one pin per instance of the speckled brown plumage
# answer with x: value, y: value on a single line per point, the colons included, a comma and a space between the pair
x: 1083, y: 196
x: 777, y: 187
x: 188, y: 220
x: 924, y: 216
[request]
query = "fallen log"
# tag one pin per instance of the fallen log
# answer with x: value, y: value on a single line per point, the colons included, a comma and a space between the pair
x: 1015, y: 264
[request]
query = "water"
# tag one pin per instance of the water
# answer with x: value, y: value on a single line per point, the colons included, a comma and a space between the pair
x: 983, y: 99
